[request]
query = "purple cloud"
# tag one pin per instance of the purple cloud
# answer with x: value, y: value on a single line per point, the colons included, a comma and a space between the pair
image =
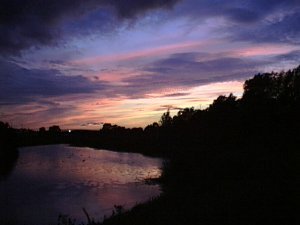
x: 20, y: 85
x: 32, y: 23
x: 191, y: 70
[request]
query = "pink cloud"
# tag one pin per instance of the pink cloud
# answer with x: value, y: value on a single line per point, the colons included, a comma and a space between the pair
x: 146, y: 53
x: 263, y: 50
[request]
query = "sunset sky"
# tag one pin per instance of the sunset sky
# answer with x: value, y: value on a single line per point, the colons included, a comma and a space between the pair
x: 78, y: 64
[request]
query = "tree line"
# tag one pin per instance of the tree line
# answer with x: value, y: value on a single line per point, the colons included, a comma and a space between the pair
x: 267, y: 112
x: 234, y: 162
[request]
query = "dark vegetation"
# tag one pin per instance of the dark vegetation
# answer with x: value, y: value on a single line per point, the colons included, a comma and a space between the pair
x: 8, y: 150
x: 236, y: 162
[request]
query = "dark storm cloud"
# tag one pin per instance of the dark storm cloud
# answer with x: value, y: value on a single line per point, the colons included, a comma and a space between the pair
x: 31, y: 23
x: 20, y: 85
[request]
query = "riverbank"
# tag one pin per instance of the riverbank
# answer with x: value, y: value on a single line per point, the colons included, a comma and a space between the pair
x: 235, y: 162
x: 211, y: 189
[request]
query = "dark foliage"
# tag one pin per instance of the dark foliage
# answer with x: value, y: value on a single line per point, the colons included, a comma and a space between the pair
x: 236, y: 162
x: 8, y: 150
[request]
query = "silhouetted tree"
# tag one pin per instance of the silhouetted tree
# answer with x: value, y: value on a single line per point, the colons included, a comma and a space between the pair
x: 166, y: 119
x: 227, y: 164
x: 151, y: 128
x: 42, y: 129
x: 54, y: 129
x: 224, y: 104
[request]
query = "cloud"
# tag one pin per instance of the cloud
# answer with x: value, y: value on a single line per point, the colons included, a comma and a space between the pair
x: 179, y: 94
x: 247, y: 11
x: 91, y: 124
x: 258, y: 21
x: 19, y: 85
x: 293, y: 56
x: 32, y: 23
x: 192, y: 69
x: 168, y: 107
x: 130, y: 8
x: 169, y: 77
x: 279, y: 29
x: 37, y: 114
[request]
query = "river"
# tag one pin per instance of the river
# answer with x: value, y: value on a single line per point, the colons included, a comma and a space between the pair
x: 60, y: 179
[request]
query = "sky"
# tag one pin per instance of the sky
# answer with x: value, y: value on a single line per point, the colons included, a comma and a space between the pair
x: 79, y: 64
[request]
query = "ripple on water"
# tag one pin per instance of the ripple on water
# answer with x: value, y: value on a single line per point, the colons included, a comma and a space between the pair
x: 49, y: 180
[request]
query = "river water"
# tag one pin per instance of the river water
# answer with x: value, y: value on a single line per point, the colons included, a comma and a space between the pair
x: 60, y: 179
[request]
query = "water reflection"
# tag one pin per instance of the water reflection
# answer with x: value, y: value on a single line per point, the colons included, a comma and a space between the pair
x: 49, y: 180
